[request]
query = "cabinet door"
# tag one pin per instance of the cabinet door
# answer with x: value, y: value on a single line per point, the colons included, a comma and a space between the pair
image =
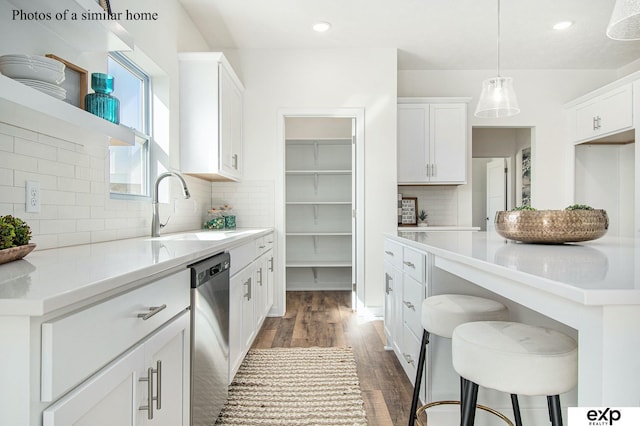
x: 617, y: 110
x: 413, y: 133
x: 260, y: 296
x: 167, y: 358
x: 108, y: 398
x: 448, y: 138
x: 585, y: 120
x: 393, y: 287
x: 230, y: 125
x: 115, y: 395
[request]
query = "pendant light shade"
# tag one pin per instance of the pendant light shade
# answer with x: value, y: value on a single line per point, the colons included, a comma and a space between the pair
x: 625, y: 20
x: 497, y: 99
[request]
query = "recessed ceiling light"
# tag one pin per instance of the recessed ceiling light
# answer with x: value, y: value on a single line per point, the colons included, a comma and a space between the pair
x: 562, y: 25
x: 321, y: 27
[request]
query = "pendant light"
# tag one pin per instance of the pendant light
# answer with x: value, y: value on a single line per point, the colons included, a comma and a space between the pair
x: 625, y: 20
x: 497, y: 99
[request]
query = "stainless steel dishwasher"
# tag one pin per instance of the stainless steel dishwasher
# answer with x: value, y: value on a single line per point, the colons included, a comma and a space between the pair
x: 209, y: 338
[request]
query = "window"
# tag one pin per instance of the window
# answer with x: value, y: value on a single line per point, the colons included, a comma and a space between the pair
x: 129, y: 165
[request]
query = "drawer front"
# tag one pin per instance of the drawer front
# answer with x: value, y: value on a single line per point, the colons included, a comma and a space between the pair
x: 242, y: 256
x: 393, y: 253
x: 413, y: 263
x: 77, y: 345
x: 263, y: 244
x: 410, y: 353
x: 412, y: 296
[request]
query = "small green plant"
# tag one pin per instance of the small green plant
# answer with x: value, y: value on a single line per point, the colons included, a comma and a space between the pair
x: 579, y: 207
x: 13, y: 232
x: 523, y: 208
x: 423, y: 215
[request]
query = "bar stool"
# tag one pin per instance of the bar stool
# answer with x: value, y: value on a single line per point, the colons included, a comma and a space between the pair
x: 515, y: 358
x: 440, y: 315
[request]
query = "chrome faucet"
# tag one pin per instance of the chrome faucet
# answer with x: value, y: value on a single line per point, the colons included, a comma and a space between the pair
x: 155, y: 221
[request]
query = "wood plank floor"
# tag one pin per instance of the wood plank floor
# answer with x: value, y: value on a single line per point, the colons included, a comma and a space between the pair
x: 325, y: 319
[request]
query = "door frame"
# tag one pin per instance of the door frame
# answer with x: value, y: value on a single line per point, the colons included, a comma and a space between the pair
x: 280, y: 207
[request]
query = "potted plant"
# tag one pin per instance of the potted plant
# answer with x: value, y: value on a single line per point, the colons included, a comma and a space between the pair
x: 423, y: 218
x: 14, y: 239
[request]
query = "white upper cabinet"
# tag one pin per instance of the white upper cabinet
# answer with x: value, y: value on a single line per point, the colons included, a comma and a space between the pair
x: 210, y: 117
x: 603, y: 115
x: 432, y: 142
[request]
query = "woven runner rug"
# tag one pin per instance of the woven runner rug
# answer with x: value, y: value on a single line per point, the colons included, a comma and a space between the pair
x: 295, y: 386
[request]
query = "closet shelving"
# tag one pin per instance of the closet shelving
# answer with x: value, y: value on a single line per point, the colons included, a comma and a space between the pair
x: 319, y: 213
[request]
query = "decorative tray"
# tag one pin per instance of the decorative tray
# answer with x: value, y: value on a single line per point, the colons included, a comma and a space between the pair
x: 552, y: 226
x: 15, y: 253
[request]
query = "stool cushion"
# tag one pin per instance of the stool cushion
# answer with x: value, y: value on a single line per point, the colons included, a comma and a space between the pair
x: 444, y: 312
x: 515, y: 358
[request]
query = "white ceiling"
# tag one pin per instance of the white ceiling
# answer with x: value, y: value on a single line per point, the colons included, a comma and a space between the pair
x: 429, y: 34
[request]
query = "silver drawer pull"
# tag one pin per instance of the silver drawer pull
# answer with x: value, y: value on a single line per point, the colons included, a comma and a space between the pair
x: 409, y: 305
x: 390, y: 253
x: 410, y: 264
x: 152, y: 311
x: 408, y: 358
x: 261, y: 247
x: 248, y: 293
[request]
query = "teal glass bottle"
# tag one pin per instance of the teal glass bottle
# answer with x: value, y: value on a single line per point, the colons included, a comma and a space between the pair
x: 101, y: 103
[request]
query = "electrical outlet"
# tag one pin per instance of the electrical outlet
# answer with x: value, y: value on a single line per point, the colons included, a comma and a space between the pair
x: 33, y: 197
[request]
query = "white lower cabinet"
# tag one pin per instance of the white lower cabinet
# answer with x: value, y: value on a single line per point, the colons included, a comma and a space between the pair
x: 148, y: 385
x: 250, y: 296
x: 405, y: 289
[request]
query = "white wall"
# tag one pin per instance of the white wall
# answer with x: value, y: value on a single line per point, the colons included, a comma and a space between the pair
x: 541, y: 94
x: 326, y: 78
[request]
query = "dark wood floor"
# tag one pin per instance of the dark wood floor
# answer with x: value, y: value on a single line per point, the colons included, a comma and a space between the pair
x: 325, y: 319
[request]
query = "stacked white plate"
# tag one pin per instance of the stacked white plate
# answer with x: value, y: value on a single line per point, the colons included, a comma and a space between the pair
x: 39, y: 72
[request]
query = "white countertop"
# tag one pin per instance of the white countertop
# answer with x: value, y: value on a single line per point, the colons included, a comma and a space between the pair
x: 47, y: 280
x: 437, y: 228
x: 599, y: 272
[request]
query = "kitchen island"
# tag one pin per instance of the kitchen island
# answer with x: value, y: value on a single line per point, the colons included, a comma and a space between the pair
x: 592, y: 287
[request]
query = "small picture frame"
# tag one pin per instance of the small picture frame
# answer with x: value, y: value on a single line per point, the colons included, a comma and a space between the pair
x: 409, y: 211
x: 75, y: 82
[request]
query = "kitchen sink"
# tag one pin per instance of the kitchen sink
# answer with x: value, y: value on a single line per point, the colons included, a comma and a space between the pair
x: 204, y: 235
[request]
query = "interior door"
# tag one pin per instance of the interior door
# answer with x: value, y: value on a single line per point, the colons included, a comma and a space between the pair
x: 496, y: 190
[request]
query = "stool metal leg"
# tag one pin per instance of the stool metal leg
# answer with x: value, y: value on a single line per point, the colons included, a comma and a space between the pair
x: 555, y: 412
x: 516, y: 409
x: 420, y: 370
x: 469, y: 404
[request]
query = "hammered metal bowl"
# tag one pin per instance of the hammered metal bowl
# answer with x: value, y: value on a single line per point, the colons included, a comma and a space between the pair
x: 552, y: 226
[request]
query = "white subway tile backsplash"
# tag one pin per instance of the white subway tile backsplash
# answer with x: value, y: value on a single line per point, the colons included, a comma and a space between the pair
x: 439, y: 202
x: 75, y: 203
x: 34, y: 149
x: 6, y: 143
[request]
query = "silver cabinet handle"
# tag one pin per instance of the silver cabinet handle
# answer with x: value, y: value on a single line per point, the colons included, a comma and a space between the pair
x: 599, y: 122
x: 271, y: 264
x: 428, y: 169
x: 261, y: 247
x: 409, y: 305
x: 410, y: 264
x: 433, y: 170
x: 594, y: 125
x: 152, y: 311
x: 159, y: 385
x: 234, y: 161
x: 387, y: 280
x: 150, y: 398
x: 408, y: 358
x: 260, y: 279
x: 390, y: 253
x: 248, y: 293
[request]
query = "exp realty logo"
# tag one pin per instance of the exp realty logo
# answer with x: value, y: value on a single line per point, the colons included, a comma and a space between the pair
x: 604, y: 416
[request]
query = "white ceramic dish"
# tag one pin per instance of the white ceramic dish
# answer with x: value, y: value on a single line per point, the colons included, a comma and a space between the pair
x: 34, y: 59
x: 32, y: 71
